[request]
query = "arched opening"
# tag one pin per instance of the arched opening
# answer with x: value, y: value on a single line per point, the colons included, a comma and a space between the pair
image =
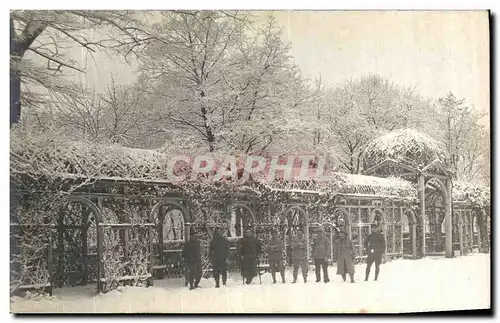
x: 295, y: 221
x: 467, y: 231
x: 75, y: 248
x: 173, y: 226
x: 171, y: 221
x: 457, y: 227
x: 241, y: 218
x: 435, y: 213
x: 409, y: 236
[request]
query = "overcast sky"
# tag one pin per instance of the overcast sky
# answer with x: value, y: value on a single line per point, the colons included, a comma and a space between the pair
x: 437, y: 51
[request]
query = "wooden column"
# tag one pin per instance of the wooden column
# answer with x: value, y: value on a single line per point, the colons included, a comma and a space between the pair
x: 306, y: 218
x: 126, y: 253
x: 479, y: 242
x: 460, y: 232
x: 331, y: 244
x: 150, y: 238
x: 360, y: 242
x: 187, y: 231
x: 84, y: 230
x: 471, y: 227
x: 60, y: 246
x: 161, y: 238
x: 100, y: 236
x: 414, y: 240
x: 448, y: 221
x: 50, y: 260
x: 421, y: 191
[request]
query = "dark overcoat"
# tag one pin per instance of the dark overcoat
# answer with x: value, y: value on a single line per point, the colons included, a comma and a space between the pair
x: 376, y: 242
x: 249, y: 251
x: 321, y: 247
x: 219, y: 251
x: 192, y: 254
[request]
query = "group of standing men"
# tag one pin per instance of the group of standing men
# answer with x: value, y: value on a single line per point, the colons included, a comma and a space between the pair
x: 250, y: 249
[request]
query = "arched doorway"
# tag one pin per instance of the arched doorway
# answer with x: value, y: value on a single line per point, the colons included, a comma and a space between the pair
x: 409, y: 234
x: 171, y: 220
x: 242, y: 218
x: 435, y: 213
x: 76, y: 251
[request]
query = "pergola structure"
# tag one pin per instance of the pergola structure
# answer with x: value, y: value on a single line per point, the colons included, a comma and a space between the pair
x: 91, y: 214
x: 420, y: 159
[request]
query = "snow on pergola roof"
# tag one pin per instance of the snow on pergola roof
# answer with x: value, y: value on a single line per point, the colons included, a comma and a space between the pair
x: 406, y: 147
x: 56, y: 156
x: 349, y: 184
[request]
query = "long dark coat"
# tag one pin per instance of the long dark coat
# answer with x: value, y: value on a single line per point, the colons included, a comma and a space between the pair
x: 192, y: 252
x: 249, y: 251
x: 344, y: 251
x: 219, y: 251
x: 321, y: 247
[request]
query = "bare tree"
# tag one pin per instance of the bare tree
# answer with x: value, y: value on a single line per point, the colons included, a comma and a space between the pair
x: 223, y: 83
x: 366, y: 108
x: 467, y: 142
x: 45, y: 35
x: 115, y: 116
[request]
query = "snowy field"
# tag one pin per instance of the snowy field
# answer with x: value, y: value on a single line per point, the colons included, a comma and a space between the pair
x: 403, y: 286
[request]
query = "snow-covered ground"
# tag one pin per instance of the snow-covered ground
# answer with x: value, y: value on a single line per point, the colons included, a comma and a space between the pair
x: 403, y: 286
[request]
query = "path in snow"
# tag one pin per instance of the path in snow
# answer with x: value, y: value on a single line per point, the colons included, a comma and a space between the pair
x: 404, y: 286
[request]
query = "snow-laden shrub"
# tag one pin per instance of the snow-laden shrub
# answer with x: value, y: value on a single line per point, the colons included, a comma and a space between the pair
x: 474, y: 194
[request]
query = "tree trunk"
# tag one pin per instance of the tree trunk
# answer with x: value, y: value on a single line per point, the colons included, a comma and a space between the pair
x: 18, y: 46
x: 15, y: 78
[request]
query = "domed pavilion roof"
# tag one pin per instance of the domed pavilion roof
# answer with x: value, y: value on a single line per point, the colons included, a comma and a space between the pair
x: 408, y: 148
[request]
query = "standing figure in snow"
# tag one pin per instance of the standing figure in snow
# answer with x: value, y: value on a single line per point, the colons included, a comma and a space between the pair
x: 299, y: 256
x: 375, y: 245
x: 219, y: 257
x: 276, y: 255
x: 321, y: 252
x: 192, y: 259
x: 249, y: 251
x: 344, y: 251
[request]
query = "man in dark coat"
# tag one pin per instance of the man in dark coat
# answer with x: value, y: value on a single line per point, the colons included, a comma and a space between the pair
x: 344, y: 251
x: 321, y: 253
x: 299, y: 256
x: 375, y: 245
x: 219, y: 254
x: 192, y: 259
x: 276, y: 255
x: 249, y: 252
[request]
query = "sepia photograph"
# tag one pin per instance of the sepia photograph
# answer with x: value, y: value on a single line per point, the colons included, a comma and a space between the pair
x: 249, y: 161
